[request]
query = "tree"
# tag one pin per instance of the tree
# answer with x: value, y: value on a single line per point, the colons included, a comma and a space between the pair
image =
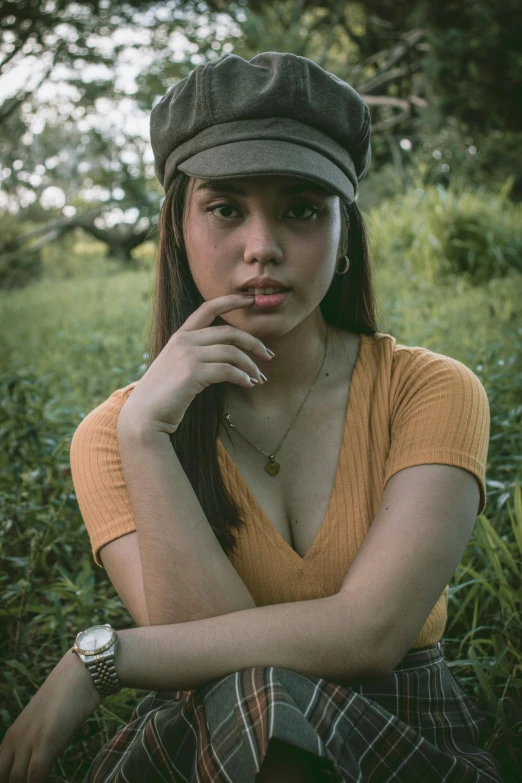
x: 62, y: 32
x: 402, y: 57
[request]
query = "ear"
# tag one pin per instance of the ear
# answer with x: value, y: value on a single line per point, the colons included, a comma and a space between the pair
x: 342, y: 249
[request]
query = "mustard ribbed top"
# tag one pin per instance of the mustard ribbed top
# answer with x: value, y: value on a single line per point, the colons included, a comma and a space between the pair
x: 407, y: 406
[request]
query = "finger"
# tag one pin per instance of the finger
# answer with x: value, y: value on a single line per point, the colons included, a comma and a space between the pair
x: 207, y: 312
x: 6, y: 762
x: 216, y: 372
x: 19, y: 768
x: 230, y: 354
x: 40, y: 767
x: 230, y: 335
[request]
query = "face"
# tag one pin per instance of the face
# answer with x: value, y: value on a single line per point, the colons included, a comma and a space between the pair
x: 231, y: 237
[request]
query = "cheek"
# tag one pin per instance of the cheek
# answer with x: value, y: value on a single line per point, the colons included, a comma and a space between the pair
x: 322, y: 247
x: 211, y: 270
x: 204, y: 242
x: 201, y: 250
x: 196, y: 236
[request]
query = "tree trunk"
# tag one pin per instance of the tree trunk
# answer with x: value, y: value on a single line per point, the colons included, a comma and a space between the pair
x: 120, y: 251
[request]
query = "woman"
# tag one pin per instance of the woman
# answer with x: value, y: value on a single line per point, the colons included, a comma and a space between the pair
x: 276, y: 538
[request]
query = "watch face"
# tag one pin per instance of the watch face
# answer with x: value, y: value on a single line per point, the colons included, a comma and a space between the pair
x: 95, y: 637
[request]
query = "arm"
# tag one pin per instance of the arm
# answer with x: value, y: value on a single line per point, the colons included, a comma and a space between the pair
x: 360, y: 633
x: 186, y: 574
x: 325, y: 637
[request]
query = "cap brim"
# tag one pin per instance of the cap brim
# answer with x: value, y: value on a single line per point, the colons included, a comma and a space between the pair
x: 258, y: 157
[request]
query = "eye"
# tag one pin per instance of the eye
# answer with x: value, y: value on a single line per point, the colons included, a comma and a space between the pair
x: 219, y: 206
x: 306, y: 206
x: 313, y: 209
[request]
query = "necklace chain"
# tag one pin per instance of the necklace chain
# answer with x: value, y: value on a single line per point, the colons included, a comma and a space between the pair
x: 272, y: 467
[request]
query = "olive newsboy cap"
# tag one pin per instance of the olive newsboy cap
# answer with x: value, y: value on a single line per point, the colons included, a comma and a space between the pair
x: 278, y: 113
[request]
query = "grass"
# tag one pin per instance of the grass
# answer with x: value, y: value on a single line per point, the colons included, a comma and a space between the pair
x: 77, y: 335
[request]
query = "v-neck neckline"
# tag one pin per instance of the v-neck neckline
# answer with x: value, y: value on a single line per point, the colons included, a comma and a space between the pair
x: 270, y: 531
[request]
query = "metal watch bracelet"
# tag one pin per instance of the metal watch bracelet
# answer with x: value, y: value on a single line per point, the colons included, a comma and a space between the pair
x: 104, y: 675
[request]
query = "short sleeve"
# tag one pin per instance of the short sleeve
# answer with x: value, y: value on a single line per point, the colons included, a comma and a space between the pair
x: 439, y: 414
x: 97, y: 474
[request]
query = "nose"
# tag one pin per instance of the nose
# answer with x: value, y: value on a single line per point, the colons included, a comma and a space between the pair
x: 263, y: 250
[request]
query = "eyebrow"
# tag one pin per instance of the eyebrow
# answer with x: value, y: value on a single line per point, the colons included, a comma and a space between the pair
x: 222, y: 186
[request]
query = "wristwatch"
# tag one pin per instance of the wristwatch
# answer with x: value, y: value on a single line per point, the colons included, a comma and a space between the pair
x: 96, y: 646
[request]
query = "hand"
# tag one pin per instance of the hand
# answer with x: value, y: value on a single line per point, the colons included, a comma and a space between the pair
x: 195, y: 356
x: 45, y: 726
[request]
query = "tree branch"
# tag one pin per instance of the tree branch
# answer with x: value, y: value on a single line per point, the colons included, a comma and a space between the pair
x: 10, y: 56
x: 382, y: 78
x: 58, y: 225
x: 388, y: 100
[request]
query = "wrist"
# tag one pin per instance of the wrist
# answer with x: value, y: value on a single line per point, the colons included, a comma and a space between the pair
x: 134, y: 428
x: 95, y: 647
x: 73, y: 663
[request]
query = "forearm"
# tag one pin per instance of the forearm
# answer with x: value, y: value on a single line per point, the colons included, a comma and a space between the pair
x: 322, y: 638
x: 186, y: 574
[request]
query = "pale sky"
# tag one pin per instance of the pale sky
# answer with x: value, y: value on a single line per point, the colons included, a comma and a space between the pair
x: 109, y: 117
x: 131, y: 61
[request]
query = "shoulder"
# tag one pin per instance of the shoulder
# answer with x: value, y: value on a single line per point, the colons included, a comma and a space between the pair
x: 409, y: 364
x: 109, y: 407
x: 97, y: 429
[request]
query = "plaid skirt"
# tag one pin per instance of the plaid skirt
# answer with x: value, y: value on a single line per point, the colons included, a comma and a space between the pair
x: 415, y: 724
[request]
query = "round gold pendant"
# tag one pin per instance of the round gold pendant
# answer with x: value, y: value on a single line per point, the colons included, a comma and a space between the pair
x: 272, y: 468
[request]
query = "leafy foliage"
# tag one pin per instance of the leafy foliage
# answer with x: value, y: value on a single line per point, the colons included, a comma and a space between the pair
x: 476, y: 60
x: 448, y: 234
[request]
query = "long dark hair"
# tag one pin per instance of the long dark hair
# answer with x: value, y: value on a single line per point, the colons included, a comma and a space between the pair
x: 348, y: 304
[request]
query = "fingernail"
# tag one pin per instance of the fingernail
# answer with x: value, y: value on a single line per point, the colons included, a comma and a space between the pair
x: 269, y: 352
x: 263, y: 376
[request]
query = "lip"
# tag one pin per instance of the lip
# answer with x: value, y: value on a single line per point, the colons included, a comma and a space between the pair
x: 263, y: 282
x: 269, y: 301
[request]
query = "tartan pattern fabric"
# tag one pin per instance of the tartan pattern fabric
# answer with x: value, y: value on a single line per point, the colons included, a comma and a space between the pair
x: 415, y: 724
